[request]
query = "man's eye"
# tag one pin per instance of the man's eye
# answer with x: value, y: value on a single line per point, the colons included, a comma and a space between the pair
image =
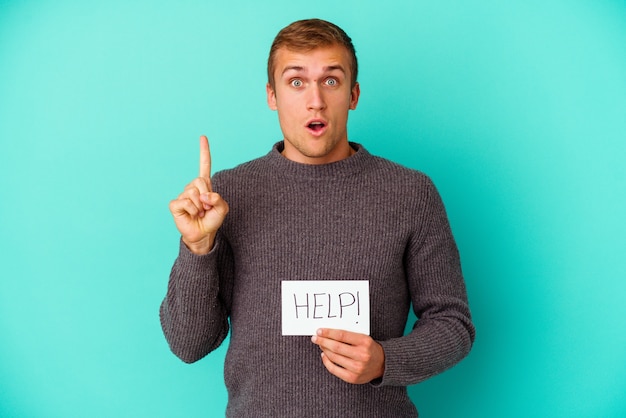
x: 331, y: 82
x: 296, y: 83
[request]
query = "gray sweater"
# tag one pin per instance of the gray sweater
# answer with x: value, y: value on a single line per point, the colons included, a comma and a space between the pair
x: 362, y: 218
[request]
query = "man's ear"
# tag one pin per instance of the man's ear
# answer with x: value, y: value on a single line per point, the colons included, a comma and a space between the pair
x: 354, y: 95
x: 271, y: 97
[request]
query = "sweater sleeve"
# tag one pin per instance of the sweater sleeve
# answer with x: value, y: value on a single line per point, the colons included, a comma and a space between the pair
x: 194, y: 313
x: 443, y: 333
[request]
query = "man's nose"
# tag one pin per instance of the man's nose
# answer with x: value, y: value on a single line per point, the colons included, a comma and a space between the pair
x: 315, y: 99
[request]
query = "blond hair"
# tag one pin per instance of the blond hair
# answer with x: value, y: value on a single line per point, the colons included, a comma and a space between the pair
x: 307, y: 35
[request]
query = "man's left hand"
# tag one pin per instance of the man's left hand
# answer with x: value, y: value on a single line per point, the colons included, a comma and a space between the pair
x: 353, y: 357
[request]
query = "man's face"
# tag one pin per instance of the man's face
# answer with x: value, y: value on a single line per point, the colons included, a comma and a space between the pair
x: 312, y: 95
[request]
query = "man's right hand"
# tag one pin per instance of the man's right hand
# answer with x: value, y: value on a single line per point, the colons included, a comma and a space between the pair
x: 198, y: 212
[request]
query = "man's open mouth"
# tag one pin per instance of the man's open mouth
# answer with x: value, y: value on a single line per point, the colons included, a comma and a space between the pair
x: 316, y: 126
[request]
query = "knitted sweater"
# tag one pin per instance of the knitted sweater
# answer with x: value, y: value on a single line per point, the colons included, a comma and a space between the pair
x: 362, y: 218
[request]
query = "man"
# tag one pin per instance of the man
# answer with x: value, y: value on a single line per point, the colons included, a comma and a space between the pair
x: 317, y: 207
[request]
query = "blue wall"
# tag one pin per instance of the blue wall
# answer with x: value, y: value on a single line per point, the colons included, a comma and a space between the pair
x: 516, y: 109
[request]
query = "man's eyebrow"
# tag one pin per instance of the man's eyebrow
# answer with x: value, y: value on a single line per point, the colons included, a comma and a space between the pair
x: 292, y: 68
x: 327, y: 69
x: 334, y: 67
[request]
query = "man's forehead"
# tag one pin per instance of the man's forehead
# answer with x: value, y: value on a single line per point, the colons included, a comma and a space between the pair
x: 333, y: 57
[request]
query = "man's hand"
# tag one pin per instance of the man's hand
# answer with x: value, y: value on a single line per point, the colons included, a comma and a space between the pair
x: 198, y: 212
x: 352, y: 357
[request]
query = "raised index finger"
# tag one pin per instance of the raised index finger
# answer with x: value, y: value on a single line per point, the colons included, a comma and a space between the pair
x: 205, y: 158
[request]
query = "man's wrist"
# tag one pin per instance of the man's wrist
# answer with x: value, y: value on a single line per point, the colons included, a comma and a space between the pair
x: 201, y: 247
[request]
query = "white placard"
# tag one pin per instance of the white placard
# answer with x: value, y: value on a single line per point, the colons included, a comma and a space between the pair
x: 311, y: 304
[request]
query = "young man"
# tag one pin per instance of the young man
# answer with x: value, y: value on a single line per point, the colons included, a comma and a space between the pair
x: 317, y: 207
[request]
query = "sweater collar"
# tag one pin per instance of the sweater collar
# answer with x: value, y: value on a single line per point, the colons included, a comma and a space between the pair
x: 346, y: 167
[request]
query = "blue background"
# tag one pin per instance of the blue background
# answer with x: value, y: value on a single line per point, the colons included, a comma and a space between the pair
x: 516, y: 109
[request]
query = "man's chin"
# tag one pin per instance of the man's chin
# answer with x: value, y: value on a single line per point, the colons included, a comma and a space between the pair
x: 316, y: 151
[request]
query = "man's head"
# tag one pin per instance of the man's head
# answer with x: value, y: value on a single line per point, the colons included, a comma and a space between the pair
x: 312, y: 85
x: 307, y: 35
